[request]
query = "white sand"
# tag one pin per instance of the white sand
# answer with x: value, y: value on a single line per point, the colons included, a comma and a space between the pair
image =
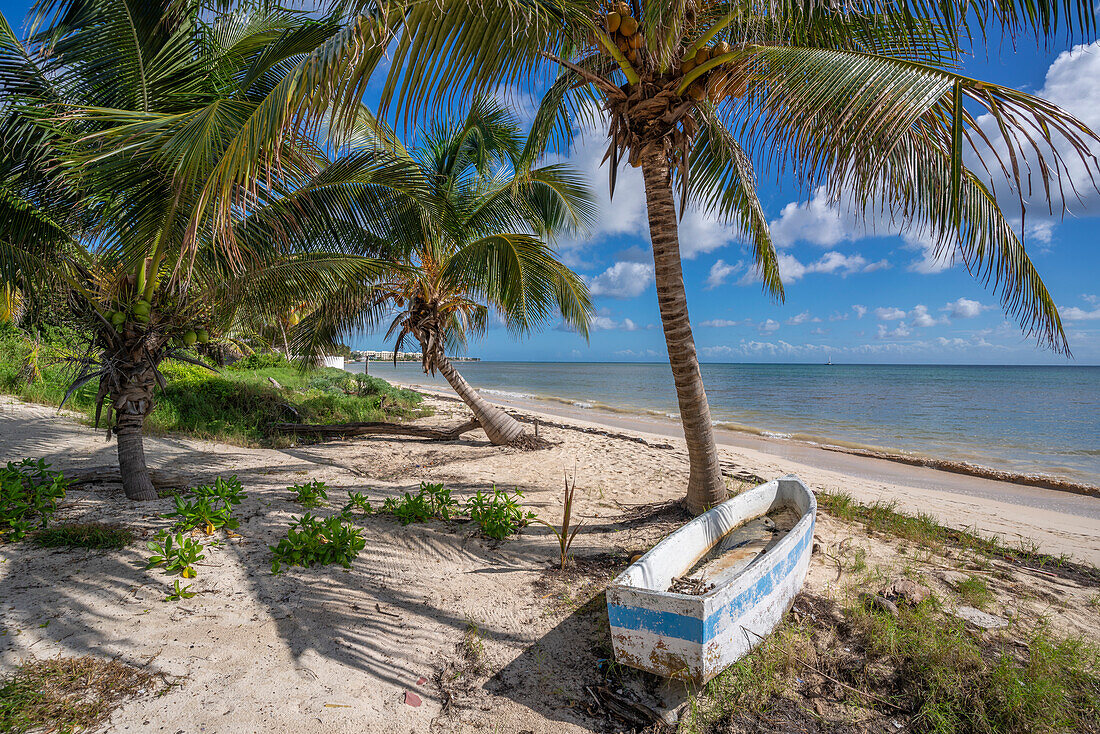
x: 330, y: 650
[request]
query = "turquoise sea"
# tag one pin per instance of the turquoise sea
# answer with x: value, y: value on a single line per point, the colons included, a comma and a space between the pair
x: 1019, y: 419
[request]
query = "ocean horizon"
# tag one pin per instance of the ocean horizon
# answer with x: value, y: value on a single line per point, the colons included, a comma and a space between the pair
x: 1025, y: 419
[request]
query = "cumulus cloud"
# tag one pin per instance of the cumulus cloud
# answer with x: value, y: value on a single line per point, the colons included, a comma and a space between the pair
x: 923, y: 320
x: 802, y: 318
x: 1079, y: 314
x: 769, y: 326
x: 889, y: 313
x: 606, y: 323
x: 725, y: 323
x: 898, y: 332
x: 720, y: 272
x: 624, y: 279
x: 964, y: 308
x: 861, y: 311
x: 792, y: 269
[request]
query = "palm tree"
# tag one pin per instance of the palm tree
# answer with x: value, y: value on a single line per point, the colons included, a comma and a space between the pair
x: 865, y: 98
x: 475, y: 246
x: 114, y: 115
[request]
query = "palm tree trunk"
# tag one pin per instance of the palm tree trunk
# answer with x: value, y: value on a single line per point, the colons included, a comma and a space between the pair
x: 706, y: 487
x: 500, y: 427
x: 132, y: 404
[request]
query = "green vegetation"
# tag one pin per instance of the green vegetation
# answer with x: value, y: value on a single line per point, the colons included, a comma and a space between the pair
x: 177, y: 554
x: 920, y: 667
x: 433, y: 501
x: 498, y: 514
x: 68, y: 694
x: 357, y: 502
x: 925, y: 530
x: 568, y: 531
x: 212, y: 507
x: 96, y: 535
x: 237, y: 405
x: 974, y: 591
x: 29, y: 493
x: 310, y: 494
x: 311, y: 541
x: 179, y: 593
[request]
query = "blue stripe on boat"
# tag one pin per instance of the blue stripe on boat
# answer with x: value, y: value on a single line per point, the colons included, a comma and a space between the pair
x: 692, y: 629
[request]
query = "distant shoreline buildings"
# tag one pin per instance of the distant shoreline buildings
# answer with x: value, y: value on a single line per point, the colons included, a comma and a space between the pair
x: 370, y: 355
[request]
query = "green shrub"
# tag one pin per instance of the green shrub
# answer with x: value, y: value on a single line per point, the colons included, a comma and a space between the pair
x: 311, y: 541
x: 177, y: 554
x: 211, y: 508
x: 95, y: 535
x: 432, y: 501
x: 498, y: 514
x: 29, y: 493
x: 358, y: 503
x: 310, y: 494
x: 257, y: 361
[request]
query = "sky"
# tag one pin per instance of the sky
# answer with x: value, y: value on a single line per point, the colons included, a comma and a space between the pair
x: 856, y: 291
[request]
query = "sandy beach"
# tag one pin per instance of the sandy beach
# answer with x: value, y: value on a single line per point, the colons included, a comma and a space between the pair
x: 373, y: 648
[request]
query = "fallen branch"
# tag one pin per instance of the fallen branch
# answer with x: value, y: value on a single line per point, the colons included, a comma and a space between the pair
x: 376, y: 428
x: 110, y: 475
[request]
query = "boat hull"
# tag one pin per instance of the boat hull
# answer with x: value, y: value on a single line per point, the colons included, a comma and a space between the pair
x: 696, y: 637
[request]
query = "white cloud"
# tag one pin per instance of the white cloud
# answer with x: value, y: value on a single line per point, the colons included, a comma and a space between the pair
x: 923, y: 320
x: 899, y: 332
x: 802, y: 318
x: 606, y: 323
x: 769, y: 326
x: 861, y: 311
x: 720, y: 271
x: 792, y: 269
x: 964, y: 308
x: 889, y: 313
x: 1079, y: 314
x: 622, y: 280
x: 724, y: 323
x: 837, y: 316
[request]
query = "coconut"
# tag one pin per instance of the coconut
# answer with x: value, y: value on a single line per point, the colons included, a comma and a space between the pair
x: 142, y: 307
x: 637, y: 40
x: 702, y: 55
x: 720, y: 49
x: 623, y: 44
x: 697, y: 91
x: 632, y: 56
x: 190, y: 338
x: 628, y: 26
x: 203, y: 336
x: 687, y: 66
x: 624, y: 9
x: 141, y: 318
x: 118, y: 318
x: 613, y: 20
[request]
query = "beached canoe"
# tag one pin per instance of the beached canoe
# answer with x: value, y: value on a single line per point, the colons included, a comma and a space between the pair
x: 739, y: 594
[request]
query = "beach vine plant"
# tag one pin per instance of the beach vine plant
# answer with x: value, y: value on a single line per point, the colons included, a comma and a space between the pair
x: 211, y: 507
x: 176, y: 553
x: 29, y: 494
x: 310, y: 494
x: 865, y: 101
x: 312, y: 541
x: 498, y: 514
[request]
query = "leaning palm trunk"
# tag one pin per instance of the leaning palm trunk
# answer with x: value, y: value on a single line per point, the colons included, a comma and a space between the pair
x: 500, y: 427
x: 705, y: 485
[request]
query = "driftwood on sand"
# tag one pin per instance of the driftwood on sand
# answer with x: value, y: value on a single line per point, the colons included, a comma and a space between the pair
x: 333, y: 430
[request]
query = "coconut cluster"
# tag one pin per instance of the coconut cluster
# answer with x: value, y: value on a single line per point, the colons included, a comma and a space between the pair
x: 698, y: 88
x: 622, y: 26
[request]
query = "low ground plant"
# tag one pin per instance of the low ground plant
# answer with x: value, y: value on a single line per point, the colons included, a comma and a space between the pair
x: 312, y: 541
x: 357, y: 502
x: 66, y: 694
x: 974, y: 591
x: 209, y: 507
x: 431, y: 502
x: 567, y: 532
x: 177, y: 554
x: 29, y: 494
x: 499, y: 514
x: 95, y: 535
x: 310, y: 494
x: 179, y: 593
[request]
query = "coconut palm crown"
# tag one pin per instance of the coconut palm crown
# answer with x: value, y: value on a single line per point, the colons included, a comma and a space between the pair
x: 477, y: 246
x: 864, y: 97
x: 113, y: 115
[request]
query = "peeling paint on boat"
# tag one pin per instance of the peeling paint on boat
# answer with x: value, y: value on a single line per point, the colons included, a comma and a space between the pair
x: 696, y: 637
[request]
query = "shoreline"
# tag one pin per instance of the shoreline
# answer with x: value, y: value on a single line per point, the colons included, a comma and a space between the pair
x: 787, y: 448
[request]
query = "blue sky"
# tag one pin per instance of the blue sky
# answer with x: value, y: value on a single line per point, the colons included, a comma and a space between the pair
x: 854, y: 293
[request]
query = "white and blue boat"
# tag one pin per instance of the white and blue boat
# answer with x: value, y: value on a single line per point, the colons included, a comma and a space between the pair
x: 738, y: 597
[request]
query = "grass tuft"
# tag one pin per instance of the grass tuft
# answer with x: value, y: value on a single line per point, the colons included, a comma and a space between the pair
x: 96, y: 535
x: 69, y: 694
